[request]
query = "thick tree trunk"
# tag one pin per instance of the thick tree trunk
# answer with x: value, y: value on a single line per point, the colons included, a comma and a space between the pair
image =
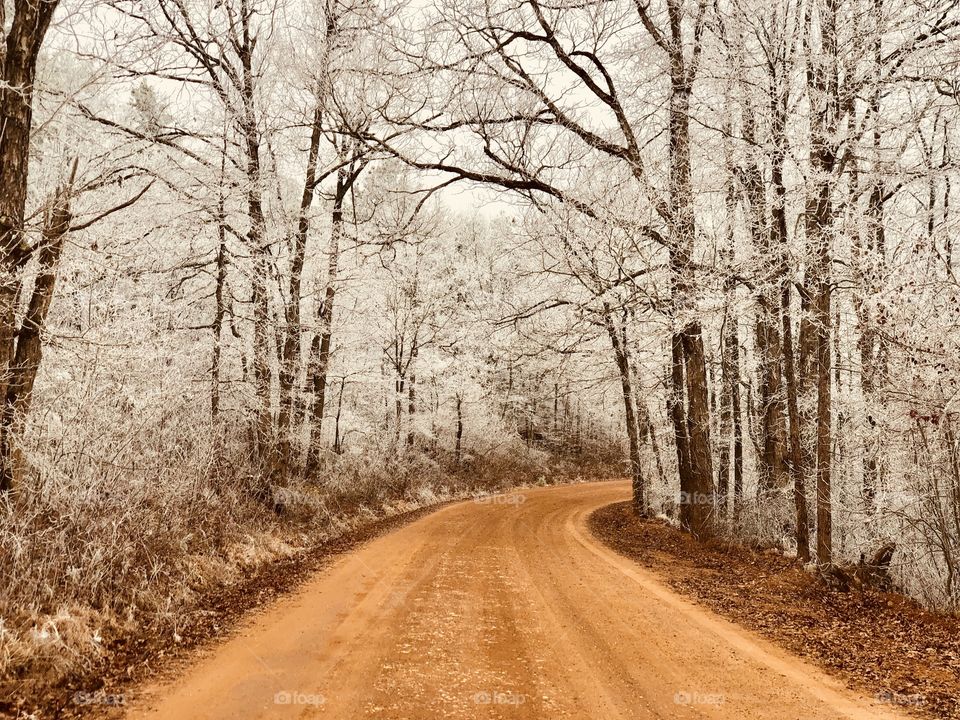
x: 697, y: 511
x: 773, y: 430
x: 18, y: 61
x: 698, y: 427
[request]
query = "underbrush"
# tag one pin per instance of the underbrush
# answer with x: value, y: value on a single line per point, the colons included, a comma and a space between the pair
x: 95, y: 556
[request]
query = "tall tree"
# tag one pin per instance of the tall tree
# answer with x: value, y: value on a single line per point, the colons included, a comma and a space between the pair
x: 18, y: 70
x: 823, y: 86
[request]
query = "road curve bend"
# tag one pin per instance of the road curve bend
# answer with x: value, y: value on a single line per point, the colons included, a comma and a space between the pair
x: 506, y: 608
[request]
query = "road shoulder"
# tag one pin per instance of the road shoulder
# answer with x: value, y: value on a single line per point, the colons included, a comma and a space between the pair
x: 880, y: 644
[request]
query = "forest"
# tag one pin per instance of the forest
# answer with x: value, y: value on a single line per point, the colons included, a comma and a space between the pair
x: 274, y: 269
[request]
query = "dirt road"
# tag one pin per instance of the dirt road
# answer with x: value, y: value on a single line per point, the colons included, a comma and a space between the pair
x: 506, y: 608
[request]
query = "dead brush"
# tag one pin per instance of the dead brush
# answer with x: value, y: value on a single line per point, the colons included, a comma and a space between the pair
x: 94, y: 554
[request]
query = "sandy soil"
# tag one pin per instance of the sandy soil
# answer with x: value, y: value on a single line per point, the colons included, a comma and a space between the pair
x: 507, y: 608
x: 878, y: 641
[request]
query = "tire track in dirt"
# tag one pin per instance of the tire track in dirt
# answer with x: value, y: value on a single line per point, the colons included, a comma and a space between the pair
x: 507, y: 608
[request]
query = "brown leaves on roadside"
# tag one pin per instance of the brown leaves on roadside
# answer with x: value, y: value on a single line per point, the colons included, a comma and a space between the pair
x: 882, y: 644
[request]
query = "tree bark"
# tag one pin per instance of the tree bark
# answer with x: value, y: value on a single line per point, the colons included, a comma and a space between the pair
x: 822, y: 80
x: 698, y: 484
x: 337, y: 442
x: 220, y: 306
x: 458, y: 448
x: 291, y: 348
x: 412, y: 393
x: 677, y: 411
x: 729, y: 380
x: 18, y: 62
x: 769, y: 351
x: 621, y: 355
x: 320, y: 348
x: 778, y: 242
x: 29, y: 346
x: 256, y: 239
x: 870, y: 343
x: 797, y: 467
x: 824, y: 428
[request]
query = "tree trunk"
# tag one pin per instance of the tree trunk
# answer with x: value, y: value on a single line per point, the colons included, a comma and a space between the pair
x: 737, y: 429
x: 824, y: 428
x: 412, y: 394
x: 29, y: 351
x: 621, y: 355
x: 698, y: 426
x: 18, y: 63
x: 773, y: 431
x: 729, y: 348
x: 822, y: 79
x: 772, y: 466
x: 698, y: 512
x: 778, y: 243
x: 337, y: 447
x: 400, y: 385
x: 797, y: 466
x: 677, y: 411
x: 290, y: 352
x: 257, y: 242
x: 729, y: 380
x: 870, y: 343
x: 458, y: 449
x: 220, y: 306
x: 320, y: 348
x: 217, y: 327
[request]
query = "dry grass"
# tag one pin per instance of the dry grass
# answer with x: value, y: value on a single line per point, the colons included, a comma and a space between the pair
x: 97, y: 555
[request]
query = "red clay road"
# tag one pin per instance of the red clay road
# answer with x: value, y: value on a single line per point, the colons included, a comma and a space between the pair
x: 506, y: 608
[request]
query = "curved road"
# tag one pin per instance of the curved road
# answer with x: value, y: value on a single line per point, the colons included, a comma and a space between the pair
x: 506, y: 608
